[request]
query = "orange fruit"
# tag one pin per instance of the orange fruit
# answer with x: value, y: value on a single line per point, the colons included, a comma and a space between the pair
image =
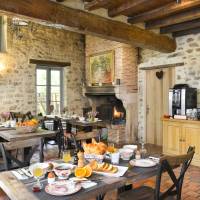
x: 80, y: 172
x: 88, y: 171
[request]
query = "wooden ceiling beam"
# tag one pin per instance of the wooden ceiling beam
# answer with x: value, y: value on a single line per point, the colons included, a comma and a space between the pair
x: 95, y: 4
x: 180, y: 27
x: 131, y: 7
x: 174, y: 19
x: 86, y: 23
x: 164, y: 11
x: 186, y: 32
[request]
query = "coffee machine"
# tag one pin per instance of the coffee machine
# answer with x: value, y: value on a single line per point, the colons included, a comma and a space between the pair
x: 181, y: 98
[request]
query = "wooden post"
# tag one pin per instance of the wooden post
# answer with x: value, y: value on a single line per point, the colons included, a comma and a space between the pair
x: 3, y: 33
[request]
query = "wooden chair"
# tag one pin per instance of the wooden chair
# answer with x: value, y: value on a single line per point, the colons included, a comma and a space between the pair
x: 167, y: 164
x: 82, y: 136
x: 11, y: 161
x: 58, y: 139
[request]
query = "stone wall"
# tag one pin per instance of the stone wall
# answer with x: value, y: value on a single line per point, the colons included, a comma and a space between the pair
x: 188, y: 52
x: 17, y: 76
x: 125, y: 70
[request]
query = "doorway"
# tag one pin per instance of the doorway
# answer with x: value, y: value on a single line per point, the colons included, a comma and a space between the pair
x: 158, y: 82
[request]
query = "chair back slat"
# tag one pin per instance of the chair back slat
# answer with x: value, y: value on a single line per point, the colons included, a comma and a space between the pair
x: 167, y: 164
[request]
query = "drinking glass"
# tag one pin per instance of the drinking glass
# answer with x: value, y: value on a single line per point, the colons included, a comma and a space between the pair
x: 115, y: 158
x: 38, y: 173
x: 66, y: 156
x: 111, y: 147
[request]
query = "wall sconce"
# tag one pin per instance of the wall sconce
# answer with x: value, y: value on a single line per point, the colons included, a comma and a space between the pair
x: 118, y: 81
x: 2, y: 66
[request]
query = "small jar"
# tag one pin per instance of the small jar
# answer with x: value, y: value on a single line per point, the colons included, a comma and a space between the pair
x: 51, y: 178
x: 137, y: 155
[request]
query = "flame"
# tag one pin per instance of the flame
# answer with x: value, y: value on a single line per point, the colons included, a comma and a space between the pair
x: 117, y: 114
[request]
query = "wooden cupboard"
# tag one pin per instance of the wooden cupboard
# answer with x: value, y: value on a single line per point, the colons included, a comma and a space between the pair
x: 178, y: 135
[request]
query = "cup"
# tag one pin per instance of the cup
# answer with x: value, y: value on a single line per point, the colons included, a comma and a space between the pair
x: 12, y: 123
x: 115, y: 158
x: 7, y: 124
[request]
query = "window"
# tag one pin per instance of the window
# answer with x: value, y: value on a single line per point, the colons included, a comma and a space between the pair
x: 49, y: 89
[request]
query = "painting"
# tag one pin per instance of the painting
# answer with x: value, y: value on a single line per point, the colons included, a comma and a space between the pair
x: 102, y: 68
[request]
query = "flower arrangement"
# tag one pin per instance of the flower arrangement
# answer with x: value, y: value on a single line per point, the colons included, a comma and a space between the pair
x: 91, y: 115
x: 5, y: 116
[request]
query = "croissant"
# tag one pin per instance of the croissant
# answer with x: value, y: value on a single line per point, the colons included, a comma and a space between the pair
x: 95, y: 148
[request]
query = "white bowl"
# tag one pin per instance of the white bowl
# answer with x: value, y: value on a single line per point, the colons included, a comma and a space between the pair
x: 132, y: 147
x: 126, y: 154
x: 82, y: 119
x: 63, y: 170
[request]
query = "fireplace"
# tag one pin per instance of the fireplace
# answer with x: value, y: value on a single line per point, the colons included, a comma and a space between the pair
x: 113, y: 111
x: 118, y: 108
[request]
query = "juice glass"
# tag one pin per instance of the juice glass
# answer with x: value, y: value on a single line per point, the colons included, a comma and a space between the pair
x: 38, y: 173
x: 66, y: 156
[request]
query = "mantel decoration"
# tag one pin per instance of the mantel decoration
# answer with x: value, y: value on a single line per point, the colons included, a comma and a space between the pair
x: 102, y: 68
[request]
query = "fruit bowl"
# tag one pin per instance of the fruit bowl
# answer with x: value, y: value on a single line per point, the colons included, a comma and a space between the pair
x: 28, y: 126
x: 26, y: 129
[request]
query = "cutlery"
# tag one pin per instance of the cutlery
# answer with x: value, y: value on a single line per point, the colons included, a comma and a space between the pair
x: 26, y: 173
x: 19, y: 175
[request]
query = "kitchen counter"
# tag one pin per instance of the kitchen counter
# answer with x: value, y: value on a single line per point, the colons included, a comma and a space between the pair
x: 179, y: 134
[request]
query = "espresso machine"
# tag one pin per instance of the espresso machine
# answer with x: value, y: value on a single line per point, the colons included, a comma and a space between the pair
x: 181, y: 98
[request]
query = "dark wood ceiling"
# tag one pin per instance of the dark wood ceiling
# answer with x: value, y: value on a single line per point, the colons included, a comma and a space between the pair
x: 179, y: 17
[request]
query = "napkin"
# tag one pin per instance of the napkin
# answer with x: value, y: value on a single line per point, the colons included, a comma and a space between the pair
x: 88, y: 184
x: 19, y: 176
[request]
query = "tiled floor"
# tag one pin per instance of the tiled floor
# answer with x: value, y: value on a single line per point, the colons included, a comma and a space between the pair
x: 191, y: 186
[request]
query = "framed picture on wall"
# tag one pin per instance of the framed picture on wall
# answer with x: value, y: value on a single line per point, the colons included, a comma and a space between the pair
x: 102, y: 68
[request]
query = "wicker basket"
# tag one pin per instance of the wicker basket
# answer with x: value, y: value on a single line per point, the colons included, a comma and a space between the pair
x: 90, y: 157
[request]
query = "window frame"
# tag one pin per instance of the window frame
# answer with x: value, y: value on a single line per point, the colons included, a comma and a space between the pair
x: 48, y: 85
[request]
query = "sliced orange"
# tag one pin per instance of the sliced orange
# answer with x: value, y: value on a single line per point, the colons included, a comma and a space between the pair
x: 88, y: 171
x: 80, y: 172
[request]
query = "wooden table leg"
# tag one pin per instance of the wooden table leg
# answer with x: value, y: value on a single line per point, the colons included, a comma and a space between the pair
x: 42, y: 150
x: 4, y: 156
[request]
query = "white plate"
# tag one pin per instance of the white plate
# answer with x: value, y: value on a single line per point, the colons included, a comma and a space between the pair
x: 61, y: 188
x: 121, y: 171
x: 132, y: 147
x: 143, y: 163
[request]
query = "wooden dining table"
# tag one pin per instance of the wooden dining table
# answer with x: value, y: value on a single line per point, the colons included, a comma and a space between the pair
x: 11, y: 185
x: 14, y: 140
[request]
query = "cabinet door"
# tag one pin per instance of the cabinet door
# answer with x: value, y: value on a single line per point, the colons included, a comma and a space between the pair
x: 171, y: 138
x: 192, y: 138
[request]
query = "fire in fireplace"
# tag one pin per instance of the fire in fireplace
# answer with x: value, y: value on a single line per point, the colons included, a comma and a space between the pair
x: 118, y: 116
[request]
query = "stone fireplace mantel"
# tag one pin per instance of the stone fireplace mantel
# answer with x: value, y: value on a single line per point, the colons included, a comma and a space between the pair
x: 96, y: 91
